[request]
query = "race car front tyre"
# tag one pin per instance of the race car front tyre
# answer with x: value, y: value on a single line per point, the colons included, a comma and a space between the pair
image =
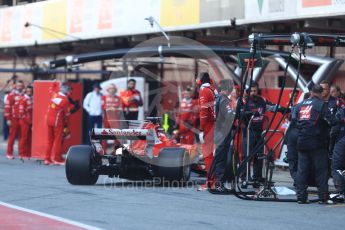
x: 80, y: 162
x: 174, y: 165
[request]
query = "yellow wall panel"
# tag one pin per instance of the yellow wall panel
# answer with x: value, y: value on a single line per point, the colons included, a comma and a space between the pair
x: 54, y: 19
x: 179, y: 12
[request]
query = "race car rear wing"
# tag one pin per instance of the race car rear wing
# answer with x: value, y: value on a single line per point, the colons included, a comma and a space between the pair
x: 149, y: 135
x: 119, y: 134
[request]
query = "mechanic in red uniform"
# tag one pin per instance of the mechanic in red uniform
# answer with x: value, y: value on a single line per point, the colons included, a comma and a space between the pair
x: 25, y: 121
x: 11, y: 112
x: 207, y: 96
x: 131, y: 101
x: 186, y: 118
x: 195, y: 97
x: 57, y: 119
x: 112, y: 111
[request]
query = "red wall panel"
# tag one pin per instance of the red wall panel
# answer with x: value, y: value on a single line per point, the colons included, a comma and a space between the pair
x: 42, y: 96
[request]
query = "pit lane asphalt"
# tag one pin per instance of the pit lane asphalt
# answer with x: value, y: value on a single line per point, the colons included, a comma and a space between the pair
x: 116, y: 205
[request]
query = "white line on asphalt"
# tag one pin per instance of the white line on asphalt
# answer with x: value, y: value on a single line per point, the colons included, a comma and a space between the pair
x: 78, y: 224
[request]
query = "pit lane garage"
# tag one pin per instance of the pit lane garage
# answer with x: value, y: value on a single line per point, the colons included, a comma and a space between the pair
x: 303, y: 40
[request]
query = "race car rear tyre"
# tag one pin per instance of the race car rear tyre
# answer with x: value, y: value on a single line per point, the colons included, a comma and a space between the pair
x: 174, y: 165
x: 80, y: 162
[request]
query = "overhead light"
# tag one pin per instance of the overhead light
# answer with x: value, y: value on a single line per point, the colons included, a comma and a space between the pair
x: 69, y: 60
x: 153, y: 21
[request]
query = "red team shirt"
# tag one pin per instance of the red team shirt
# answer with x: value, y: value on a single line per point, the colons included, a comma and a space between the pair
x: 11, y: 110
x: 25, y: 109
x: 206, y: 102
x: 112, y: 108
x: 131, y: 99
x: 58, y: 111
x: 186, y: 114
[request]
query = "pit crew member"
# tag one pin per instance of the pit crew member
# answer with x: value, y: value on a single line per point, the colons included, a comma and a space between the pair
x: 255, y: 105
x: 57, y: 119
x: 25, y: 121
x: 313, y: 121
x: 112, y: 111
x: 207, y: 96
x: 225, y: 115
x: 338, y: 160
x: 131, y: 100
x: 11, y: 112
x: 186, y: 118
x: 291, y: 143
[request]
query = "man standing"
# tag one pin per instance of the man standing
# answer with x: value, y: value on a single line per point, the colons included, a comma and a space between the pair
x: 326, y: 96
x: 336, y: 92
x: 5, y: 128
x: 25, y: 121
x: 12, y: 116
x: 338, y: 160
x: 93, y: 106
x: 112, y: 111
x: 225, y: 115
x: 186, y: 118
x: 131, y: 101
x: 333, y: 104
x: 57, y: 119
x: 312, y: 123
x: 257, y: 106
x: 207, y: 97
x: 291, y: 140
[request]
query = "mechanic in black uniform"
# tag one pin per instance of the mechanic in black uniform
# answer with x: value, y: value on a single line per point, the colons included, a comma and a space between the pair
x: 333, y: 104
x: 326, y: 96
x: 257, y: 106
x: 225, y: 115
x: 338, y: 160
x: 291, y: 143
x: 313, y: 123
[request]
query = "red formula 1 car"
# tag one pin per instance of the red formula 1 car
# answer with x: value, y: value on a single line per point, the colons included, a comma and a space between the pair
x: 149, y: 154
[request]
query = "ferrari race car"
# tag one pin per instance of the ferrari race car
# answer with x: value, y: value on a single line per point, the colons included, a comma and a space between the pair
x: 145, y: 152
